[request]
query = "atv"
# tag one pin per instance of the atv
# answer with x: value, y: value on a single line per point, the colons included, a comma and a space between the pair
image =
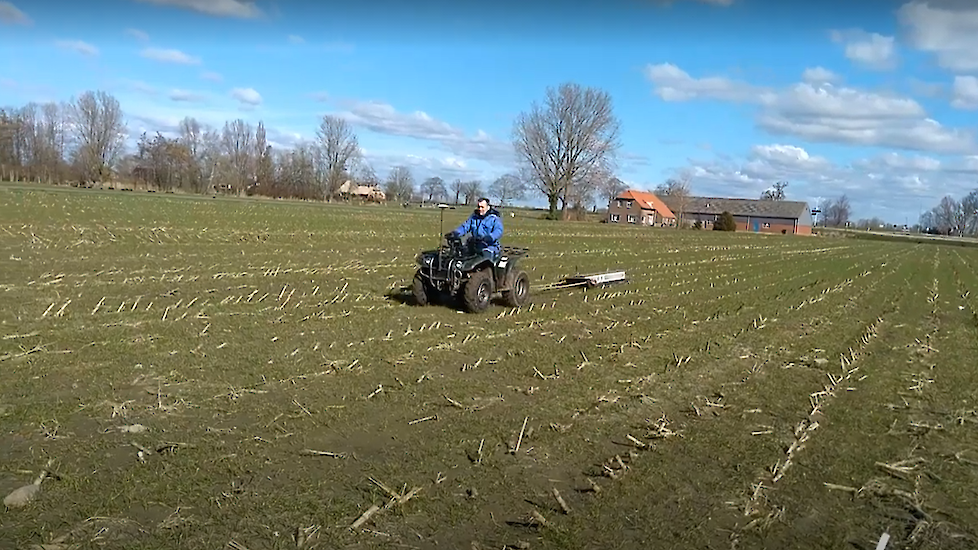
x: 455, y: 269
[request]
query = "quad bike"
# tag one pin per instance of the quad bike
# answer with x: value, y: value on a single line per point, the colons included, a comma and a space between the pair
x: 455, y: 269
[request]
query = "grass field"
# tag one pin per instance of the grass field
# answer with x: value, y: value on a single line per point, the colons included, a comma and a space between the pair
x: 213, y: 373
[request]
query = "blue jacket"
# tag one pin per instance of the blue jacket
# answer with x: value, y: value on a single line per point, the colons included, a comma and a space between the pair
x: 487, y: 230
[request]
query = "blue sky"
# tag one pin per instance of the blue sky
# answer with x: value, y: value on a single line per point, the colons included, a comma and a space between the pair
x: 875, y: 99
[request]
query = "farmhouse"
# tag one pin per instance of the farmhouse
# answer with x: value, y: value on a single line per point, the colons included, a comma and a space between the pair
x: 759, y: 216
x: 372, y: 193
x: 639, y: 207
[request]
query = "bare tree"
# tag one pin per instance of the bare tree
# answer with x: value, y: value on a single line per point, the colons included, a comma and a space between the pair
x: 611, y: 187
x: 457, y: 187
x: 52, y: 140
x: 400, y: 184
x: 581, y: 196
x: 192, y: 136
x: 264, y: 169
x: 237, y: 142
x: 678, y: 192
x: 969, y: 210
x: 775, y: 193
x: 433, y: 188
x: 99, y: 132
x: 10, y: 161
x: 365, y: 174
x: 212, y: 158
x: 162, y: 163
x: 508, y: 187
x: 836, y: 213
x: 472, y: 191
x: 566, y: 140
x: 340, y: 149
x: 295, y: 174
x: 927, y: 221
x: 948, y: 214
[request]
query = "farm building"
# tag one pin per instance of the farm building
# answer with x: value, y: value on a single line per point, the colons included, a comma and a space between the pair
x: 371, y: 193
x: 641, y: 208
x: 759, y: 216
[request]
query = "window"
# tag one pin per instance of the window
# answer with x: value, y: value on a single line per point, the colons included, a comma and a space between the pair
x: 628, y: 204
x: 615, y: 218
x: 767, y: 226
x: 631, y: 218
x: 618, y: 204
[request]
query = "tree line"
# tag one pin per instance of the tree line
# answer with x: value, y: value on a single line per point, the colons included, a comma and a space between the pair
x: 564, y: 150
x: 83, y: 141
x: 952, y: 216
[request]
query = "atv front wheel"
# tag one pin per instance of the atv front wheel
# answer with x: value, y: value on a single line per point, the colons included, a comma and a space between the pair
x: 421, y: 291
x: 519, y: 291
x: 477, y: 291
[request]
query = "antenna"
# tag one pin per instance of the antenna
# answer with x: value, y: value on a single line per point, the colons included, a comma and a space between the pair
x: 442, y: 207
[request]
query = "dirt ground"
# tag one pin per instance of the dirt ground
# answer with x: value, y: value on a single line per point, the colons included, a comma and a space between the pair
x: 217, y: 373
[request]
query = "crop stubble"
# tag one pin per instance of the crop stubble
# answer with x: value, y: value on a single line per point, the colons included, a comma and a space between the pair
x: 221, y: 372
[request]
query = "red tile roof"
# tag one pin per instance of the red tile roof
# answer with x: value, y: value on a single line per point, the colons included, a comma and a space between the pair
x: 648, y: 201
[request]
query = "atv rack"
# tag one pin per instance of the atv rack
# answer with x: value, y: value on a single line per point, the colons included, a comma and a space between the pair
x: 587, y: 281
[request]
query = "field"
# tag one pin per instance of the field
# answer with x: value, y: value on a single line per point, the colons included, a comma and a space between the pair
x: 225, y: 373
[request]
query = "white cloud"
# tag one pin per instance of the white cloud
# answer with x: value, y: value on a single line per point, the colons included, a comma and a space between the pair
x: 211, y: 76
x: 896, y: 162
x: 296, y: 39
x: 889, y: 182
x: 169, y: 56
x: 819, y: 75
x: 142, y: 36
x: 946, y: 28
x: 220, y: 8
x: 10, y: 15
x: 78, y: 46
x: 965, y: 93
x: 422, y: 167
x: 247, y: 96
x: 870, y: 50
x: 674, y: 84
x: 185, y: 96
x: 823, y: 112
x: 383, y: 118
x: 140, y: 86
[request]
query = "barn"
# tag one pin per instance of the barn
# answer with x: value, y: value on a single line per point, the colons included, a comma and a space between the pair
x: 758, y: 216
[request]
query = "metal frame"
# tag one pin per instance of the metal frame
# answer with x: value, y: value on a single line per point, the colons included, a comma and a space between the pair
x: 587, y: 281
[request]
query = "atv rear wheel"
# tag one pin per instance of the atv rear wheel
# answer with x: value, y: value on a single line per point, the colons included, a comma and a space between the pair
x: 421, y: 290
x: 519, y: 291
x: 477, y: 291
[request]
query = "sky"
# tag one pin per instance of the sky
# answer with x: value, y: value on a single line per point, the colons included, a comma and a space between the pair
x: 875, y: 99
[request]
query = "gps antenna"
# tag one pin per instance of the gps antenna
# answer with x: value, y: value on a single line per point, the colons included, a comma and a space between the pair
x: 442, y: 207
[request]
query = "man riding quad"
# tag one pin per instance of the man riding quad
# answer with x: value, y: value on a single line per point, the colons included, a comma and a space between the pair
x: 475, y: 271
x: 486, y: 226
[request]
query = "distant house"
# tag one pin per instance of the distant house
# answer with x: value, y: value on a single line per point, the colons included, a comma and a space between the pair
x: 758, y: 216
x: 640, y: 208
x: 371, y: 193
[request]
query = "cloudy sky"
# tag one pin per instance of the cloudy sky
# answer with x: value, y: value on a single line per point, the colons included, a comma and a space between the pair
x: 876, y: 99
